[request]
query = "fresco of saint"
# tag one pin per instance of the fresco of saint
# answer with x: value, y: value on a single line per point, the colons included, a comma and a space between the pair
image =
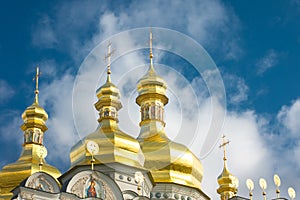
x: 91, y: 190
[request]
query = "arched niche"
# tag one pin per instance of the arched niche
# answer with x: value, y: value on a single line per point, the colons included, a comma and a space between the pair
x: 94, y: 184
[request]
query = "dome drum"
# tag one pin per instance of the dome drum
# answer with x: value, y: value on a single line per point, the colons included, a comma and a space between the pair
x: 147, y: 96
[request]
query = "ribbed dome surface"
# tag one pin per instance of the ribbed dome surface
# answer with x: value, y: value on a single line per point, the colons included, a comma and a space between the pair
x: 170, y: 162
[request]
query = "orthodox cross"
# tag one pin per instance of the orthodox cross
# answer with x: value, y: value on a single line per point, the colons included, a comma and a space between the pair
x: 36, y: 78
x: 223, y: 145
x: 151, y: 69
x: 108, y: 57
x: 150, y: 44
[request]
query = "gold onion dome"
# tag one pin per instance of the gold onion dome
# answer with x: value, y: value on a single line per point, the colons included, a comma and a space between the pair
x: 115, y: 145
x: 31, y: 160
x: 168, y: 161
x: 152, y: 85
x: 228, y: 183
x: 35, y: 116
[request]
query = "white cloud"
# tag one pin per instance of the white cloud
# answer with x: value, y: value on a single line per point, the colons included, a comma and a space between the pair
x: 11, y: 136
x: 48, y: 68
x: 236, y: 89
x: 43, y: 35
x: 6, y: 91
x: 295, y: 154
x: 289, y: 116
x: 56, y: 98
x: 269, y: 60
x: 71, y: 26
x: 11, y: 131
x: 289, y: 135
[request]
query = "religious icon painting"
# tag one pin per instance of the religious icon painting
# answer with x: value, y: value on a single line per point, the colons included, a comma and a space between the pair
x: 93, y: 184
x: 43, y: 182
x: 93, y: 188
x: 40, y: 186
x: 106, y: 112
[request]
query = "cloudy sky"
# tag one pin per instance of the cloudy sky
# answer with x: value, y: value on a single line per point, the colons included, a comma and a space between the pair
x: 254, y: 46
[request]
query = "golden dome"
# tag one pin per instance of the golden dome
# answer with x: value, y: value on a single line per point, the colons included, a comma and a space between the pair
x: 115, y: 145
x: 30, y: 161
x: 228, y: 183
x: 108, y: 100
x: 34, y: 116
x: 168, y: 162
x: 176, y: 163
x: 152, y: 84
x: 13, y: 174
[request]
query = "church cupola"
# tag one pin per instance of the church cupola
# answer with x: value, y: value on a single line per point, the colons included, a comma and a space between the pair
x: 169, y: 162
x: 34, y: 118
x: 108, y: 103
x: 228, y: 183
x: 32, y: 158
x: 115, y: 145
x: 151, y: 99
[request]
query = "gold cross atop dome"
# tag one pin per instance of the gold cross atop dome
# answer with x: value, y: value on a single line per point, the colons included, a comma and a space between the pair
x: 36, y: 78
x: 228, y: 183
x: 150, y: 44
x: 223, y: 145
x: 107, y: 58
x: 151, y: 51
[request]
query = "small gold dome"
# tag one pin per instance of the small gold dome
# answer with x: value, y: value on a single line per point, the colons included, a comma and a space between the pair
x: 108, y: 89
x: 108, y: 100
x: 34, y: 116
x: 227, y: 184
x: 152, y: 84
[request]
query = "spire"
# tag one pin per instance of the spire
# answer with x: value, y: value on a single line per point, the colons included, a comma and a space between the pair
x: 228, y: 183
x: 108, y: 95
x: 151, y: 69
x: 34, y: 118
x: 36, y: 78
x: 223, y: 145
x: 152, y: 98
x: 108, y: 57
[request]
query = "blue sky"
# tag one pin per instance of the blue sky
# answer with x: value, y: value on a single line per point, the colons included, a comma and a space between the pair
x: 255, y: 45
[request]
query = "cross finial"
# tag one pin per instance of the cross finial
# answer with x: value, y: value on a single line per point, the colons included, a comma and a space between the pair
x: 150, y: 44
x: 151, y: 51
x: 223, y: 145
x: 108, y: 57
x: 36, y: 78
